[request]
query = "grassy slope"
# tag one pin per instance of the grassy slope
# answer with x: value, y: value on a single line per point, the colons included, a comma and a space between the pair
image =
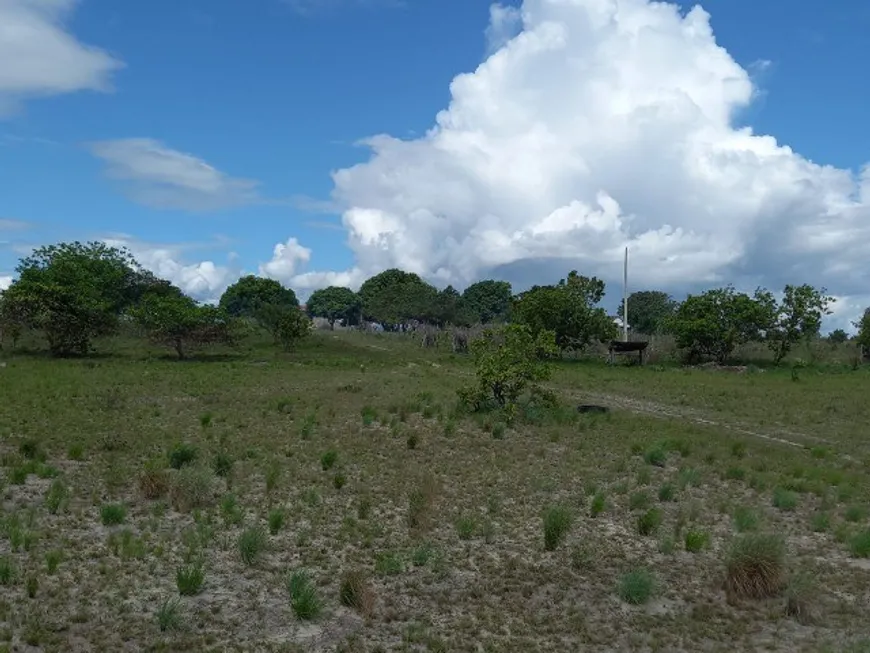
x: 473, y: 570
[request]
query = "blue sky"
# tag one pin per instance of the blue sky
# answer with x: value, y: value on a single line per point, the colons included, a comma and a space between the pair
x: 204, y: 134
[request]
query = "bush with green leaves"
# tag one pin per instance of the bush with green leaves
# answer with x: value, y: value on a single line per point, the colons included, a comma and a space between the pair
x: 636, y: 586
x: 304, y: 599
x: 509, y: 362
x: 557, y: 523
x: 287, y: 324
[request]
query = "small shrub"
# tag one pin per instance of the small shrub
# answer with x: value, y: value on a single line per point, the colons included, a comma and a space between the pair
x: 649, y: 522
x: 252, y: 543
x: 422, y: 554
x: 638, y: 500
x: 230, y: 511
x: 369, y: 415
x: 304, y: 599
x: 56, y: 497
x: 666, y: 492
x: 656, y: 456
x: 688, y: 476
x: 820, y: 522
x: 112, y: 514
x: 153, y: 481
x: 800, y: 599
x: 738, y: 449
x: 636, y: 587
x: 859, y: 545
x: 328, y: 459
x: 667, y: 545
x: 785, y: 500
x: 169, y: 615
x: 75, y: 452
x: 557, y: 523
x: 644, y: 477
x: 745, y: 520
x: 32, y: 450
x: 856, y: 513
x: 598, y: 504
x: 192, y: 488
x: 32, y: 586
x: 52, y: 561
x: 7, y: 570
x: 363, y: 508
x: 222, y: 464
x: 189, y: 578
x: 273, y: 475
x: 182, y: 454
x: 696, y: 541
x: 755, y: 566
x: 498, y: 430
x: 420, y: 504
x: 276, y: 520
x: 412, y: 441
x: 465, y: 527
x: 388, y: 563
x: 355, y: 592
x: 735, y: 473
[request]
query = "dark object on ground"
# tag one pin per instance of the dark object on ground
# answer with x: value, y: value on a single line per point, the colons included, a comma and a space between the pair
x: 592, y: 408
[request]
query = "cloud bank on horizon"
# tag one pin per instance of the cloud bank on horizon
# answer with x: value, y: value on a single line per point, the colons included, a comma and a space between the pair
x: 591, y: 125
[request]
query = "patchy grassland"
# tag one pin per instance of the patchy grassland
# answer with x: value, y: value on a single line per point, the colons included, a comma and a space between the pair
x: 333, y: 499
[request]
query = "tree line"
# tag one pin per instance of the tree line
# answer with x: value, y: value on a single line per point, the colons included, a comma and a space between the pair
x: 73, y: 293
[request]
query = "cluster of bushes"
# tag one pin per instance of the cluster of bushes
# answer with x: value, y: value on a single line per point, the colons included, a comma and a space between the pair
x: 74, y: 292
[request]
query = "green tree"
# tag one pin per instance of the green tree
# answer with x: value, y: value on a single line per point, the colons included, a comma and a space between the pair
x: 395, y: 297
x: 488, y: 301
x: 798, y: 316
x: 446, y: 307
x: 713, y: 323
x: 73, y: 292
x: 172, y: 319
x: 838, y: 337
x: 863, y: 337
x: 335, y: 303
x: 509, y: 361
x: 568, y: 309
x: 287, y: 324
x: 245, y: 297
x: 648, y: 310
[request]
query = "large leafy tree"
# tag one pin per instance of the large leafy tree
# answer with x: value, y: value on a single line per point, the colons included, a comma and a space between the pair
x: 863, y: 338
x: 798, y: 316
x: 569, y: 309
x: 447, y: 307
x: 74, y: 292
x: 395, y: 297
x: 168, y: 317
x: 488, y: 301
x: 247, y: 295
x: 335, y: 303
x: 287, y: 324
x: 713, y: 323
x: 648, y: 310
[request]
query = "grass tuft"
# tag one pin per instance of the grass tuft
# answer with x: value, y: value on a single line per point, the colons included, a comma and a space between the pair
x: 252, y: 543
x: 356, y: 592
x: 755, y: 566
x: 182, y: 454
x: 636, y: 587
x: 557, y: 523
x: 112, y: 514
x: 304, y: 600
x: 190, y: 578
x: 648, y: 523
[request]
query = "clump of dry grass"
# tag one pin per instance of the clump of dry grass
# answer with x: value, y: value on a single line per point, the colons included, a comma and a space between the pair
x: 755, y: 567
x: 799, y: 599
x: 192, y: 488
x: 356, y: 592
x: 153, y: 481
x: 421, y: 503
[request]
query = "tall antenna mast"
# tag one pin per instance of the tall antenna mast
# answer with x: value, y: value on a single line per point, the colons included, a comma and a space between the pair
x: 625, y: 298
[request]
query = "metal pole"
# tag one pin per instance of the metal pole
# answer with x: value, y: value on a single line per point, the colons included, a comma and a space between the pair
x: 625, y: 298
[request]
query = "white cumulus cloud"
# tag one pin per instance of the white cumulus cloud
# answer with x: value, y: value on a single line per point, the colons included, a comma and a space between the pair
x: 160, y: 177
x: 596, y: 125
x: 39, y: 57
x: 5, y: 282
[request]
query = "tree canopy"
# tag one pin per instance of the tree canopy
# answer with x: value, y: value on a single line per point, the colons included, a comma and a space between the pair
x: 247, y: 295
x: 74, y: 292
x: 568, y: 309
x: 335, y: 303
x: 488, y: 301
x: 648, y: 311
x: 395, y: 297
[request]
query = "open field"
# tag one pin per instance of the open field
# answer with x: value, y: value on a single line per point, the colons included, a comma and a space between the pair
x: 419, y: 528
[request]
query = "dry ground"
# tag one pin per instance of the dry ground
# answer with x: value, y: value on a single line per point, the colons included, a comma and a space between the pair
x: 440, y: 514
